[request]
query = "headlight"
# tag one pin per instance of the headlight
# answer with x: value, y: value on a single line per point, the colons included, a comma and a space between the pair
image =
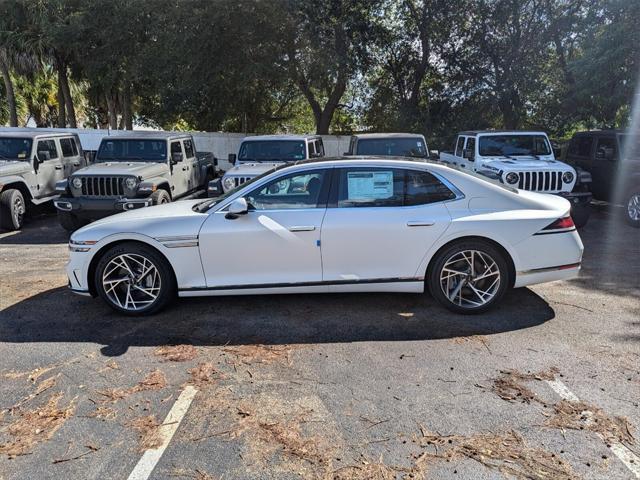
x: 228, y: 183
x: 76, y: 182
x: 567, y: 177
x: 130, y: 183
x: 512, y: 177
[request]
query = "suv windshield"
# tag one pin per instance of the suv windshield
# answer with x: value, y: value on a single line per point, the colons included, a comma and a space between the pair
x: 402, y: 147
x: 272, y: 150
x: 508, y: 145
x: 132, y: 150
x: 15, y: 148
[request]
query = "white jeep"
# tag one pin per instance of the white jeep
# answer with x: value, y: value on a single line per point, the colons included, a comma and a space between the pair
x: 522, y: 160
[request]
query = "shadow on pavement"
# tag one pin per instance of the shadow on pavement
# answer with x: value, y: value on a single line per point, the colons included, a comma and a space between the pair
x: 41, y: 229
x: 59, y: 316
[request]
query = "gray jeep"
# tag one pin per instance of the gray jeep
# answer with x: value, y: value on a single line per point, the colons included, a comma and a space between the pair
x: 389, y: 145
x: 133, y: 171
x: 31, y: 163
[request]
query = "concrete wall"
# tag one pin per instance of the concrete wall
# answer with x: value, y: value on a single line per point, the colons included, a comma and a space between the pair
x: 221, y: 144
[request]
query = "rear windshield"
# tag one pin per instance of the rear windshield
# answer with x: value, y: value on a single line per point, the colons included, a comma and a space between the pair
x: 15, y: 148
x: 273, y: 151
x: 508, y: 145
x: 401, y: 147
x: 132, y: 150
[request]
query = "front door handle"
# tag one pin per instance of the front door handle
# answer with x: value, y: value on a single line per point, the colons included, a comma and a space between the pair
x: 420, y: 223
x: 302, y: 228
x: 58, y: 167
x: 184, y: 169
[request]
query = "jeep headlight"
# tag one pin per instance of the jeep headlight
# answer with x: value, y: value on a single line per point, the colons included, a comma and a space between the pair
x: 567, y: 177
x: 512, y: 177
x: 130, y: 182
x: 76, y: 182
x: 228, y: 183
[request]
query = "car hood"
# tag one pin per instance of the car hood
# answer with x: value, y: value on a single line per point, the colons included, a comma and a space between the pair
x: 523, y: 163
x: 252, y: 169
x: 139, y: 169
x: 13, y: 167
x: 172, y: 219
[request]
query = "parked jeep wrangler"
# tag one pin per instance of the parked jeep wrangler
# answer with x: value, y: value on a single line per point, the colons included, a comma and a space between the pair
x: 613, y: 158
x: 524, y: 160
x: 259, y: 154
x: 134, y: 171
x: 389, y: 145
x: 31, y: 163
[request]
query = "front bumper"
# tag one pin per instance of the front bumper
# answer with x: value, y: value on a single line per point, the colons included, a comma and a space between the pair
x: 576, y: 198
x: 93, y: 208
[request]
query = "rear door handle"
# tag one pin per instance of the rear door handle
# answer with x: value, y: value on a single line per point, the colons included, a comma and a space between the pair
x: 420, y: 223
x: 302, y: 228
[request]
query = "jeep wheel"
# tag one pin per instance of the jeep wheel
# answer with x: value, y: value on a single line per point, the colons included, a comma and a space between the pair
x: 468, y: 276
x: 69, y: 221
x: 134, y: 279
x: 632, y: 207
x: 159, y: 197
x: 12, y: 209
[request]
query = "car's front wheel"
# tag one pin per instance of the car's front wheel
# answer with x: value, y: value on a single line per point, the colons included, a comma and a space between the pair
x: 135, y: 279
x: 633, y: 207
x: 468, y: 276
x: 160, y: 197
x: 12, y: 209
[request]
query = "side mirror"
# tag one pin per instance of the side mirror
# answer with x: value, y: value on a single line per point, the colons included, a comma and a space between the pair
x: 238, y: 207
x: 43, y: 155
x: 608, y: 154
x: 232, y: 158
x: 214, y: 188
x: 469, y: 154
x: 175, y: 158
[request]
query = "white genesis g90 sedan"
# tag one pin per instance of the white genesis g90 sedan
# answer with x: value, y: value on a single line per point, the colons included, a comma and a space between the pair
x: 337, y: 225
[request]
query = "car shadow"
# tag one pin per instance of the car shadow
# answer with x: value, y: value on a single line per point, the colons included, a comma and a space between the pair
x: 59, y: 316
x: 40, y: 229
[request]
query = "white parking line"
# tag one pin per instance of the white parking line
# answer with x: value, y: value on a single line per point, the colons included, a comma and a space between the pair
x: 150, y: 458
x: 626, y: 456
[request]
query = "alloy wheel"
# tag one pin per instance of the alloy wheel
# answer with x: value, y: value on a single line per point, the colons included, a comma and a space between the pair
x: 470, y: 278
x: 131, y: 281
x: 633, y: 207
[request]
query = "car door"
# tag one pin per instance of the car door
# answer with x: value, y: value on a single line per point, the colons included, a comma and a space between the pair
x: 380, y: 223
x: 181, y: 175
x: 277, y: 243
x: 50, y: 167
x: 194, y: 169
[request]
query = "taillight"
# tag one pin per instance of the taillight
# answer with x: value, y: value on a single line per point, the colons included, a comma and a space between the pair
x: 563, y: 223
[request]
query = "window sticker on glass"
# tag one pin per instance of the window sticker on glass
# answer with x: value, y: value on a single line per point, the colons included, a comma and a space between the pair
x: 369, y: 185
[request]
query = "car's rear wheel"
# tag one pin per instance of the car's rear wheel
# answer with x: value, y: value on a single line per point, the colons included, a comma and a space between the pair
x: 135, y: 279
x: 12, y: 209
x: 633, y: 208
x: 469, y: 276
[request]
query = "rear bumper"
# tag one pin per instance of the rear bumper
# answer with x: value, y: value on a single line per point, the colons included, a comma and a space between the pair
x: 547, y: 274
x: 94, y: 208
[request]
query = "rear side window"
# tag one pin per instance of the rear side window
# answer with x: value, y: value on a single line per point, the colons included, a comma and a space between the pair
x: 68, y: 147
x: 471, y: 144
x: 606, y: 149
x: 188, y: 148
x: 389, y: 187
x: 581, y: 146
x: 459, y: 147
x: 47, y: 150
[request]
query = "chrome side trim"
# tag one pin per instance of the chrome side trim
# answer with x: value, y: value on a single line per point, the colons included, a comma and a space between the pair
x: 176, y: 238
x: 550, y: 269
x: 193, y: 243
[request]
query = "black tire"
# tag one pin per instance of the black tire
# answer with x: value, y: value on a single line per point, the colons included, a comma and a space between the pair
x: 167, y: 289
x: 632, y: 207
x: 70, y: 222
x: 160, y: 197
x: 580, y: 214
x: 449, y: 252
x: 12, y: 209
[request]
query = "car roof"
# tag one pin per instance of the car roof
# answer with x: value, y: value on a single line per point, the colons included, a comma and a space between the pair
x: 603, y: 133
x: 255, y: 138
x: 374, y: 136
x: 355, y: 160
x: 146, y: 135
x: 502, y: 132
x: 33, y: 135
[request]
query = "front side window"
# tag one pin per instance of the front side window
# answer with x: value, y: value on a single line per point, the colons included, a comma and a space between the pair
x: 272, y: 151
x: 606, y: 149
x: 459, y: 146
x: 188, y: 148
x: 15, y: 148
x: 471, y: 145
x: 401, y: 147
x: 68, y: 147
x: 507, y: 145
x: 295, y: 191
x: 320, y: 147
x: 47, y: 150
x: 132, y: 150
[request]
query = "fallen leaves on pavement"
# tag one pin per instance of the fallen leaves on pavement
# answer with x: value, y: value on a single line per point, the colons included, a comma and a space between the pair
x: 176, y: 353
x: 155, y: 380
x: 148, y: 430
x: 249, y: 354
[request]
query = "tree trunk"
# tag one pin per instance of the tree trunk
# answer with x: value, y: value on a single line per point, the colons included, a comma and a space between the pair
x: 127, y: 116
x: 62, y: 118
x: 11, y: 96
x: 63, y: 84
x: 111, y: 109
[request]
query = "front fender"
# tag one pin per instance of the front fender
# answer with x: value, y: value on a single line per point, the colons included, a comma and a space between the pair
x: 12, y: 180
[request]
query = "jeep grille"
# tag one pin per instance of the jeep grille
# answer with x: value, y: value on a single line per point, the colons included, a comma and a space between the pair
x: 103, y: 186
x: 241, y: 180
x: 540, y: 181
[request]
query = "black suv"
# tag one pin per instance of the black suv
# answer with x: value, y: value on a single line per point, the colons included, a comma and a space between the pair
x: 613, y: 159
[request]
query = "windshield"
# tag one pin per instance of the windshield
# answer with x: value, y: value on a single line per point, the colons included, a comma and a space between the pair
x: 15, y: 148
x: 207, y: 204
x: 132, y: 150
x: 403, y: 147
x: 272, y: 151
x: 511, y: 145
